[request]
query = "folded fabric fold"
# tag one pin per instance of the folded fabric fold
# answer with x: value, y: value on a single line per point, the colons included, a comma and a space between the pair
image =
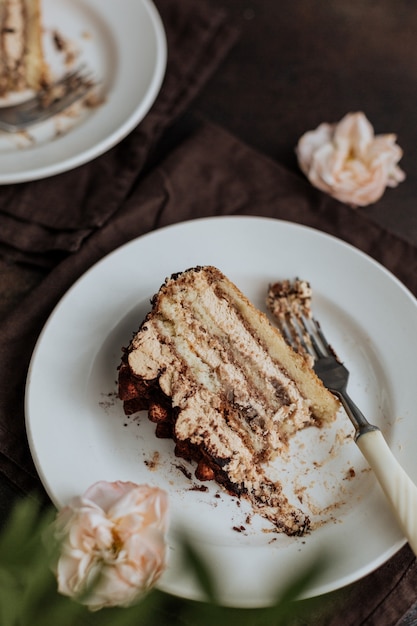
x: 211, y: 173
x: 35, y: 238
x: 41, y: 217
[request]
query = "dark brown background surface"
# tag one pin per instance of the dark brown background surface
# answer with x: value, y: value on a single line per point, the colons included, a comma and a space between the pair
x: 301, y: 63
x: 296, y: 64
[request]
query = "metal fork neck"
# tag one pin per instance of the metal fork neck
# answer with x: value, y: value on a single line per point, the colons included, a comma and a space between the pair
x: 355, y: 415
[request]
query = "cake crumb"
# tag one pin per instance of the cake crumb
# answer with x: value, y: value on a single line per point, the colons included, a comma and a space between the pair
x: 350, y: 474
x: 153, y: 463
x: 198, y: 488
x: 184, y: 470
x: 239, y: 529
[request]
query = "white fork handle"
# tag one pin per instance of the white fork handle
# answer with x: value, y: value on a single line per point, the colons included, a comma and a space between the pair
x: 397, y: 485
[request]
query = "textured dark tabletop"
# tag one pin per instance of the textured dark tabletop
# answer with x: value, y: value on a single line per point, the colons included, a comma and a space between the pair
x: 296, y: 64
x: 301, y: 63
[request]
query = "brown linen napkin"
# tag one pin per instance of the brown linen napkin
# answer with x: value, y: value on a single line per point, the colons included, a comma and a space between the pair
x: 41, y: 220
x: 211, y: 173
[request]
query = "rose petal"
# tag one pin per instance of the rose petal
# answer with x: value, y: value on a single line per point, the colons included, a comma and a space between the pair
x: 105, y: 494
x: 117, y: 529
x: 349, y: 162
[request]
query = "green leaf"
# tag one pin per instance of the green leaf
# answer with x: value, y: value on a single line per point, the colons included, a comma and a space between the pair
x: 195, y: 562
x: 29, y: 596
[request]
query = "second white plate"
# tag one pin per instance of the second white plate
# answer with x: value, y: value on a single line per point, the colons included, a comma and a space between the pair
x: 123, y: 44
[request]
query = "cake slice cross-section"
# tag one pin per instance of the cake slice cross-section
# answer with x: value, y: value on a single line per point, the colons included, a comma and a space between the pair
x: 219, y: 379
x: 22, y: 61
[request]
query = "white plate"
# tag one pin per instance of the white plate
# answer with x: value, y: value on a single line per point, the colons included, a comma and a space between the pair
x: 78, y: 433
x: 123, y: 43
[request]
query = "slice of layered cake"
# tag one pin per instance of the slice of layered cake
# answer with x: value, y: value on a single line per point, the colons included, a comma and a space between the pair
x: 220, y: 380
x: 22, y: 63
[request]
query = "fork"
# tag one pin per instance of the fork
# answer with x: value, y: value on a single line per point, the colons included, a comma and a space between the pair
x: 399, y: 489
x: 47, y: 102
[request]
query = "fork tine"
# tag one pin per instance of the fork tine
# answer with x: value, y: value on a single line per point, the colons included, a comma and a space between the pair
x: 306, y: 339
x: 31, y: 103
x: 81, y: 70
x: 329, y: 351
x: 48, y: 102
x: 305, y: 335
x: 70, y: 84
x: 312, y: 330
x: 296, y: 334
x: 58, y: 104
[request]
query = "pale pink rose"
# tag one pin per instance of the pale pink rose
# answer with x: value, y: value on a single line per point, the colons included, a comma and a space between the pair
x: 349, y: 162
x: 116, y: 530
